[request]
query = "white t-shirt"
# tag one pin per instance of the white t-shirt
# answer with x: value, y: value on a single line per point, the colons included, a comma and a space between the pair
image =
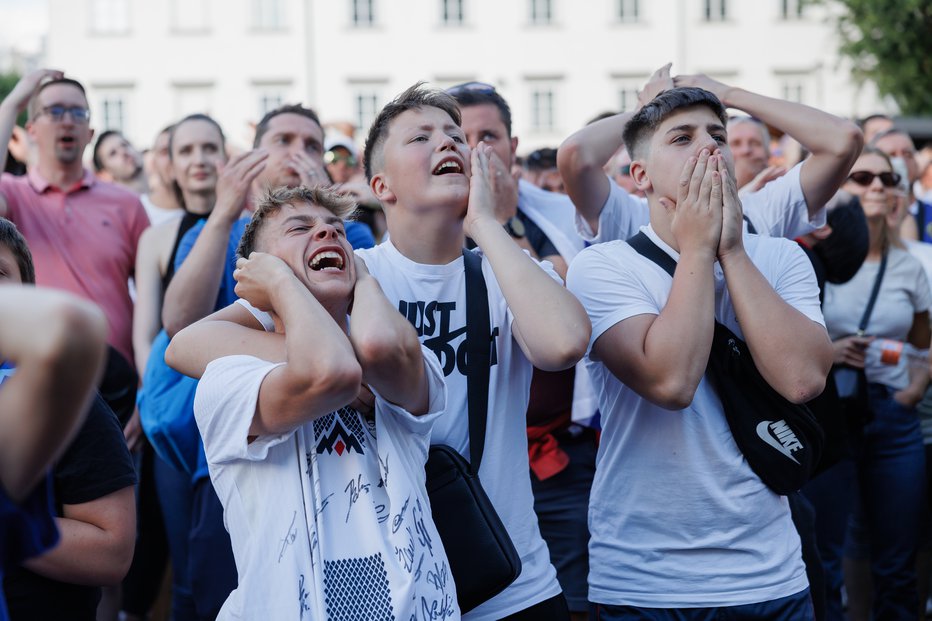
x: 332, y: 520
x: 677, y: 517
x: 904, y: 291
x: 433, y: 297
x: 778, y: 209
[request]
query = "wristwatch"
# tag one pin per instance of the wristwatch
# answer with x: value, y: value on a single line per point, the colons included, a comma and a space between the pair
x: 515, y: 227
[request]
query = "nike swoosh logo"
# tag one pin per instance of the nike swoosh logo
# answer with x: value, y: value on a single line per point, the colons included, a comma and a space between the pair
x: 763, y: 430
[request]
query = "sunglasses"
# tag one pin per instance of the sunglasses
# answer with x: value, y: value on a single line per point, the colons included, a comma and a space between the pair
x: 57, y: 113
x: 866, y: 177
x: 470, y: 87
x: 331, y: 157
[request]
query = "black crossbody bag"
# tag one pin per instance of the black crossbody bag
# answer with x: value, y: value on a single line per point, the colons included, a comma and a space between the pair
x: 781, y: 441
x: 483, y: 559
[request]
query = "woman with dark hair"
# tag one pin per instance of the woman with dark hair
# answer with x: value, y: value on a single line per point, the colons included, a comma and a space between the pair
x: 887, y: 299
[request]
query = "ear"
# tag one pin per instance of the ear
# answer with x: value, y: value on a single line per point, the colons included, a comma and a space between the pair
x: 379, y: 187
x: 514, y: 149
x: 639, y: 176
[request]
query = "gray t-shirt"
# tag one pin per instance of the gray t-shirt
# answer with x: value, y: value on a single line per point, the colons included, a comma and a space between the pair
x: 904, y: 292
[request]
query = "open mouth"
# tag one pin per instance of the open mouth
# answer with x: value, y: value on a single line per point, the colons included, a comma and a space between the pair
x: 448, y: 166
x: 68, y: 141
x: 326, y: 261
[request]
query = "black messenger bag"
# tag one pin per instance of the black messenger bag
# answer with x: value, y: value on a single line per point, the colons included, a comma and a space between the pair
x: 482, y: 557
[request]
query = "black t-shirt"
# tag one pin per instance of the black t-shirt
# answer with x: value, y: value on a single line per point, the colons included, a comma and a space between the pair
x: 536, y: 238
x: 97, y: 463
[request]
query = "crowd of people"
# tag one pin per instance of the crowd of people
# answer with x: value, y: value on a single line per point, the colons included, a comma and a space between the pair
x: 234, y: 365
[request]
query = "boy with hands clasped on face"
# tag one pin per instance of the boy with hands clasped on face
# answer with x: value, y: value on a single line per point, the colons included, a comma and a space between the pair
x: 682, y: 542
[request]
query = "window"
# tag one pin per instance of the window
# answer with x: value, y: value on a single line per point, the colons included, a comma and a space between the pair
x: 715, y: 10
x: 268, y: 14
x: 270, y: 96
x: 193, y: 99
x: 111, y: 109
x: 453, y: 14
x: 366, y: 103
x: 791, y: 9
x: 543, y: 104
x: 110, y: 17
x: 628, y: 11
x: 627, y: 97
x: 793, y: 88
x: 190, y: 16
x: 363, y: 13
x: 541, y: 12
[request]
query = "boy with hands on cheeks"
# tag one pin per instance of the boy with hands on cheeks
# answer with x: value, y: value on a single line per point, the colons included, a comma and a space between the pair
x: 318, y: 497
x: 695, y: 514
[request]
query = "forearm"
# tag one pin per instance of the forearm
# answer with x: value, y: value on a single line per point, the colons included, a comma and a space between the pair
x: 88, y: 554
x: 548, y: 320
x: 192, y: 294
x: 792, y: 352
x: 581, y: 159
x: 58, y: 346
x: 8, y: 116
x: 834, y: 142
x: 387, y: 348
x: 677, y: 345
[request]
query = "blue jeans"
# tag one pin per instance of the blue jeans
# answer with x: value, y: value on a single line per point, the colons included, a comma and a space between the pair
x: 796, y: 607
x: 831, y: 494
x: 175, y: 493
x: 885, y: 522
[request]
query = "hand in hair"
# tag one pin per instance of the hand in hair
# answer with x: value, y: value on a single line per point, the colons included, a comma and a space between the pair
x: 703, y: 81
x: 258, y: 277
x: 28, y: 85
x: 658, y: 82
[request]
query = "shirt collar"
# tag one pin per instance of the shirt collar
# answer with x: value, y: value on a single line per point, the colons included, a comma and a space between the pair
x: 40, y: 184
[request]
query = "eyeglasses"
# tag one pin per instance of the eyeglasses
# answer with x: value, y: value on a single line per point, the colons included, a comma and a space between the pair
x: 57, y: 113
x: 866, y: 177
x: 470, y: 87
x: 332, y: 157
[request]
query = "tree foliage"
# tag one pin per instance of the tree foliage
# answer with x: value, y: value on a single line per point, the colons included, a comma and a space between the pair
x: 7, y: 82
x: 890, y: 44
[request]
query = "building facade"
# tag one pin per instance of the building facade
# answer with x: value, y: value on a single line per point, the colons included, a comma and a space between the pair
x: 558, y: 62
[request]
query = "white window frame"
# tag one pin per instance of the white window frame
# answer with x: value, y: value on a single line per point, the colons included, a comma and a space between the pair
x: 453, y: 12
x: 628, y: 11
x: 791, y: 10
x: 541, y: 12
x: 366, y: 102
x: 714, y: 10
x: 109, y: 17
x: 269, y: 15
x: 362, y: 13
x: 112, y: 109
x: 543, y: 100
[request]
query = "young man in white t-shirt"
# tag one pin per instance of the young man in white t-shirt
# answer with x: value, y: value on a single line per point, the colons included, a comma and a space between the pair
x: 419, y: 167
x: 326, y: 507
x: 681, y: 526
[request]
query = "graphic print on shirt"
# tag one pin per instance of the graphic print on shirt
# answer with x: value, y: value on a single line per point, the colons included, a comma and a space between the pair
x: 434, y: 317
x: 356, y: 589
x: 339, y: 432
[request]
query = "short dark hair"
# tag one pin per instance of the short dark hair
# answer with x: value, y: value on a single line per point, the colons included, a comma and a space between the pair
x: 275, y: 198
x: 98, y: 164
x: 478, y: 93
x: 413, y: 98
x: 298, y: 109
x: 873, y: 117
x: 646, y: 121
x: 541, y: 159
x: 11, y: 238
x: 893, y: 131
x: 34, y: 101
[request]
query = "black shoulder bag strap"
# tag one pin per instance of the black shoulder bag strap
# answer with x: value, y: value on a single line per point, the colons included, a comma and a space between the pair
x: 478, y: 356
x: 643, y: 244
x: 862, y: 325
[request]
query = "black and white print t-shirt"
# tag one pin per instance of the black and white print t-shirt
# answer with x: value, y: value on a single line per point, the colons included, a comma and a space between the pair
x: 331, y: 521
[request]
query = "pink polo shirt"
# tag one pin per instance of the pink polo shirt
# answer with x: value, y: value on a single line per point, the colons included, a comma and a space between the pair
x: 83, y: 239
